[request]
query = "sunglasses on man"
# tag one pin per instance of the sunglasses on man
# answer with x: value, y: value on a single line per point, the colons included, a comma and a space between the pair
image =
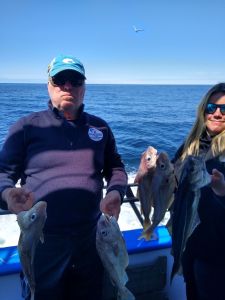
x: 212, y: 107
x: 67, y: 76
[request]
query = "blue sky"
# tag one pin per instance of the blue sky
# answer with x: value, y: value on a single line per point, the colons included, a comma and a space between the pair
x: 183, y: 41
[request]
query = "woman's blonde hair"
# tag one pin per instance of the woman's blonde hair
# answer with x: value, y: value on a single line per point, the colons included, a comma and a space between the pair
x: 191, y: 146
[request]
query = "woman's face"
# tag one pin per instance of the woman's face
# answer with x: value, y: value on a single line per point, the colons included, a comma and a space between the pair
x: 215, y: 122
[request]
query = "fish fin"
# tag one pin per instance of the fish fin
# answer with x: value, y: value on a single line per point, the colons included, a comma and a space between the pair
x: 123, y: 242
x: 125, y: 294
x: 148, y: 234
x: 42, y: 238
x: 176, y: 270
x: 146, y: 224
x: 145, y: 236
x: 170, y: 229
x: 124, y: 277
x: 116, y: 249
x: 154, y: 236
x: 169, y: 225
x: 141, y: 237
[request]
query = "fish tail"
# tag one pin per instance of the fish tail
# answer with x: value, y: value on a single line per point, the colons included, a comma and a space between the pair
x: 176, y: 269
x: 146, y: 224
x: 148, y: 234
x: 125, y: 294
x: 32, y: 296
x: 172, y: 274
x: 144, y: 235
x: 169, y: 225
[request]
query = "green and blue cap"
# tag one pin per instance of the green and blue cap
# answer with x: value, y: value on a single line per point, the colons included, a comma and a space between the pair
x: 65, y: 62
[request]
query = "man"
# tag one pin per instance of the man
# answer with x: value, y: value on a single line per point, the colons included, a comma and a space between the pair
x: 61, y: 156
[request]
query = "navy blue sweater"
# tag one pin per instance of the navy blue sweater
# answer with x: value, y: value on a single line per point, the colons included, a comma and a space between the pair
x: 63, y: 163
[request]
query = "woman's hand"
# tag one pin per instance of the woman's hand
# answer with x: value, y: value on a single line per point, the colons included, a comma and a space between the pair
x: 218, y: 183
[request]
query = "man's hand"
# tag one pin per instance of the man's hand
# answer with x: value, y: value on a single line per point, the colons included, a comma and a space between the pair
x: 218, y: 183
x: 111, y: 204
x: 18, y: 199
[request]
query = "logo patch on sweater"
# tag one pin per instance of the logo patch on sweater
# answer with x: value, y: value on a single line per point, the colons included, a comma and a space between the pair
x: 95, y: 134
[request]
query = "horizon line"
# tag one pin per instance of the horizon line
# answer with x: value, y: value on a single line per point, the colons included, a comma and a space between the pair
x: 110, y: 83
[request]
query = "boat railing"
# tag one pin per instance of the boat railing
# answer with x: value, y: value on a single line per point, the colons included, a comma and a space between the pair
x: 129, y: 198
x: 132, y: 200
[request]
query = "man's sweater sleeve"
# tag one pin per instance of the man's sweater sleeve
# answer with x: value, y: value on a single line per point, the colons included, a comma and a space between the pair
x: 114, y: 170
x: 11, y: 159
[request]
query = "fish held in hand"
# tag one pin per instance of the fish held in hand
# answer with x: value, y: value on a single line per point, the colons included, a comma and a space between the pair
x: 144, y: 179
x: 31, y: 225
x: 185, y: 217
x: 163, y: 186
x: 113, y: 253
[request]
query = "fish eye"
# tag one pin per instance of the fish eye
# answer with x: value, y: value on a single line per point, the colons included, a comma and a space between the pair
x: 149, y: 158
x: 33, y: 216
x: 162, y: 166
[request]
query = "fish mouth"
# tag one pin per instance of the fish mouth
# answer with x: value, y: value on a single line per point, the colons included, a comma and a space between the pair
x: 103, y: 222
x: 41, y: 207
x: 105, y: 219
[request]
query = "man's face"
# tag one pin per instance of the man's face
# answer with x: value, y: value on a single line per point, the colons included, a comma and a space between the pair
x: 66, y: 90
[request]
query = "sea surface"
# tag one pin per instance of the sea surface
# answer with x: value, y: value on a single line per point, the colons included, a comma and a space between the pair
x: 139, y: 115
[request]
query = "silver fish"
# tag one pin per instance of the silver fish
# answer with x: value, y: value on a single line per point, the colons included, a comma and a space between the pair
x: 31, y: 224
x: 185, y: 217
x: 144, y: 178
x: 112, y: 251
x: 163, y: 186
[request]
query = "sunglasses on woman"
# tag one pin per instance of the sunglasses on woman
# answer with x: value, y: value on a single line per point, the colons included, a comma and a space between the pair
x: 63, y: 77
x: 212, y: 107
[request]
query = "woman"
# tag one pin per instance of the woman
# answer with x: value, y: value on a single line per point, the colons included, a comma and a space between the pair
x: 203, y: 260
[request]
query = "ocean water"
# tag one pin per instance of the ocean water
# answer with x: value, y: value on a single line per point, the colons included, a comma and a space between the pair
x: 139, y: 115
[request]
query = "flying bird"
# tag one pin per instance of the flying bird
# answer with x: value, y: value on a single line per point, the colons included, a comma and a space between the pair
x: 137, y: 29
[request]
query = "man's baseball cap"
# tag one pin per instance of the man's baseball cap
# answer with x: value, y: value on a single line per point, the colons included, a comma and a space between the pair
x: 65, y: 62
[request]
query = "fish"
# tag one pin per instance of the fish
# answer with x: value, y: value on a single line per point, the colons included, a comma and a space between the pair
x: 112, y: 251
x: 144, y: 179
x: 31, y: 225
x: 163, y: 187
x: 185, y: 217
